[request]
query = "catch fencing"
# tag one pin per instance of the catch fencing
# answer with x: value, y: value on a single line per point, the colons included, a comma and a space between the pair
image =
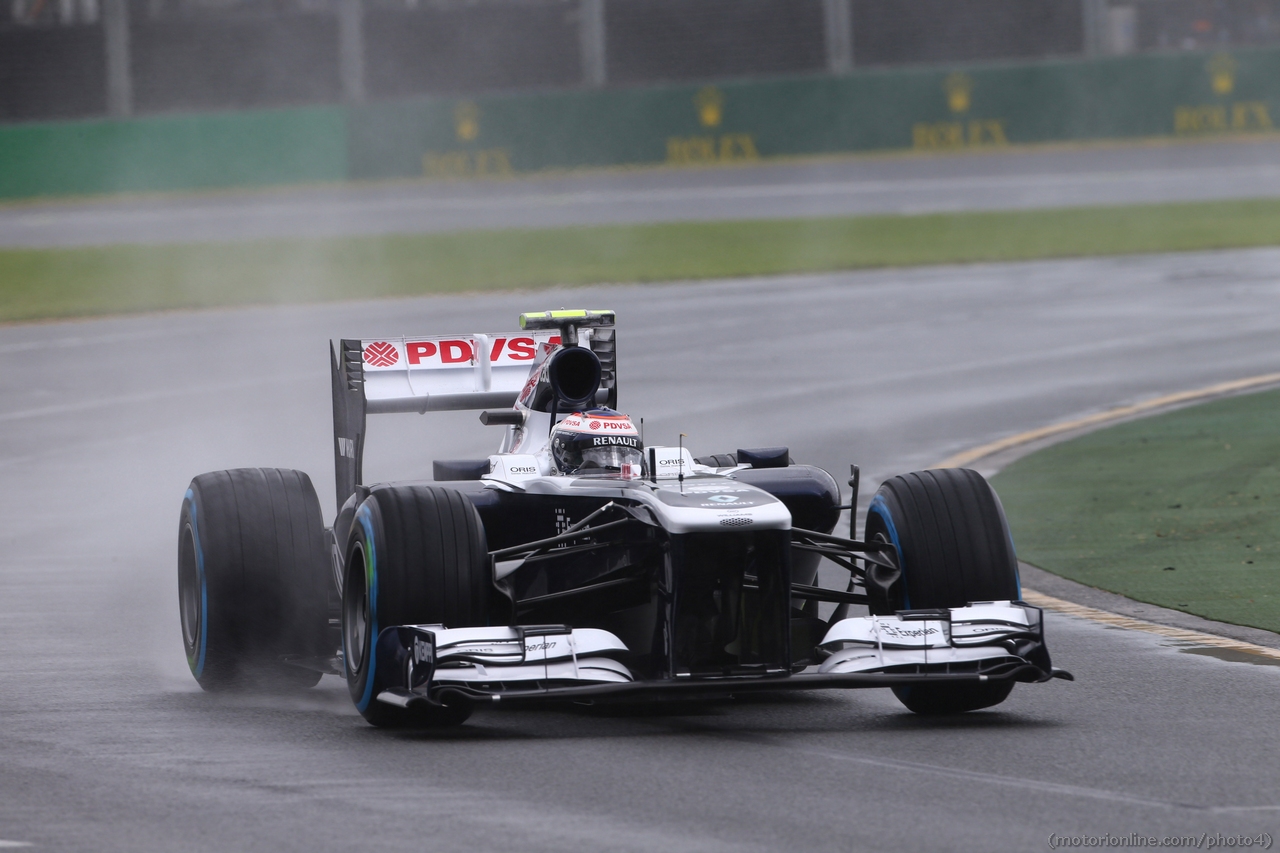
x: 87, y: 58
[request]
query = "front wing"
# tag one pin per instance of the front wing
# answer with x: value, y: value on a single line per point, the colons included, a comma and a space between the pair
x: 432, y: 665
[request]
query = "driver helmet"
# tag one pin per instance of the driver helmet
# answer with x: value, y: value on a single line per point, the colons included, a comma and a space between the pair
x: 597, y: 441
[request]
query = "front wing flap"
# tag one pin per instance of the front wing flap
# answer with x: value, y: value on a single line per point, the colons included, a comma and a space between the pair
x: 957, y: 639
x: 990, y: 641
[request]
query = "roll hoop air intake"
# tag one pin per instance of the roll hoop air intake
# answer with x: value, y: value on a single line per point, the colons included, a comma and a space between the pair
x: 569, y: 381
x: 571, y: 377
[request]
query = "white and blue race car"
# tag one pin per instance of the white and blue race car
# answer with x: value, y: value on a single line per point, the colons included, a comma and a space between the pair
x: 577, y: 564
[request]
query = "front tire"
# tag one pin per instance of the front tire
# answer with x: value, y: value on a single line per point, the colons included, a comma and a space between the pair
x: 954, y: 548
x: 416, y: 555
x: 253, y: 578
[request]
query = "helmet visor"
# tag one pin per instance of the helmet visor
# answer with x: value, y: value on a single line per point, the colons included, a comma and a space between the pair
x: 609, y: 458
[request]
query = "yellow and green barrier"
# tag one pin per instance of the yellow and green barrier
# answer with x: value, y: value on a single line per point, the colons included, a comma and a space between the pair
x: 977, y: 106
x: 159, y: 153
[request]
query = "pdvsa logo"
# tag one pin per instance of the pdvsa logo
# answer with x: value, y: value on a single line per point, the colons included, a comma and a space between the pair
x: 380, y: 354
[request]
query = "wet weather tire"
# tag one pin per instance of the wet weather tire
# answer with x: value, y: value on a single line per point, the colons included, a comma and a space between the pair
x: 416, y: 555
x: 954, y: 548
x: 253, y: 579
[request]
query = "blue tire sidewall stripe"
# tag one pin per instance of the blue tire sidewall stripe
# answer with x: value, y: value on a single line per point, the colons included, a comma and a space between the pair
x: 197, y: 666
x: 880, y: 508
x: 1008, y: 536
x: 365, y: 516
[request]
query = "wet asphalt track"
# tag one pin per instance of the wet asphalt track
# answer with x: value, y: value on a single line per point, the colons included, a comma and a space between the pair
x: 993, y: 180
x: 106, y: 743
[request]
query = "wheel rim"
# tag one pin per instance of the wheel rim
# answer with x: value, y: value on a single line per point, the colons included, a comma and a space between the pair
x: 189, y: 594
x: 355, y: 611
x: 887, y: 606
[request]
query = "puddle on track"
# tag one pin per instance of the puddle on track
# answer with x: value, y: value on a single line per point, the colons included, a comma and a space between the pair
x: 1231, y: 655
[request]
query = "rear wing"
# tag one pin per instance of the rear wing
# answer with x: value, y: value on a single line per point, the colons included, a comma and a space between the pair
x: 440, y: 373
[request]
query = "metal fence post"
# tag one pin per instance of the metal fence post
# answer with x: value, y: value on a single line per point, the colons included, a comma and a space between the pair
x: 591, y: 36
x: 838, y: 29
x: 351, y: 49
x: 115, y: 31
x: 1094, y: 20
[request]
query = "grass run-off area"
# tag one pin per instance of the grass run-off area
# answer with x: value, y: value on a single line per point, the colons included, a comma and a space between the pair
x: 1178, y: 510
x: 39, y: 283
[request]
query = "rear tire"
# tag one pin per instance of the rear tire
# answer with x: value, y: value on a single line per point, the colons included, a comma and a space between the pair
x: 416, y: 555
x: 253, y: 579
x: 954, y: 548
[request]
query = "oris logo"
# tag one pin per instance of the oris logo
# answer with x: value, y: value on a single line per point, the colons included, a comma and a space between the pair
x: 381, y: 354
x: 522, y: 469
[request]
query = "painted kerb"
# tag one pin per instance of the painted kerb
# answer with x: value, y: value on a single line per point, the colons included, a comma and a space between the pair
x: 928, y: 109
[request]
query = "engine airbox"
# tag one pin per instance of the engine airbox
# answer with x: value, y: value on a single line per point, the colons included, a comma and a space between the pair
x: 570, y: 381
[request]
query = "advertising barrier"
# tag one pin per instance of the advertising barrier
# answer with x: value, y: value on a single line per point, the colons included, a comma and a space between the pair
x: 173, y: 152
x: 927, y: 109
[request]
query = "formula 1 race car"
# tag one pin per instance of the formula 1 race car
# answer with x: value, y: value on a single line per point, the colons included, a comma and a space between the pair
x: 578, y: 564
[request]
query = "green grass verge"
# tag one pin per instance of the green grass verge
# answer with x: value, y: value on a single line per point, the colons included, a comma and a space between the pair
x: 68, y: 282
x: 1178, y: 510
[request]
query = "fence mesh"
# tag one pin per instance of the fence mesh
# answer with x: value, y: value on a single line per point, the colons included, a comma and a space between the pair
x: 232, y: 54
